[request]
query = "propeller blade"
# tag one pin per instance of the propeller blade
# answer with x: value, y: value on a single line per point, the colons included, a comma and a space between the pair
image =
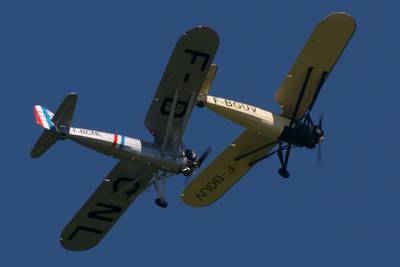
x: 320, y: 124
x: 203, y: 156
x: 319, y: 154
x: 186, y: 181
x: 321, y: 119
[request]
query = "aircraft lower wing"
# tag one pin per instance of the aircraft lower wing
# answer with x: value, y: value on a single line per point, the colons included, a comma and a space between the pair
x: 177, y: 93
x: 227, y: 169
x: 102, y: 210
x: 317, y: 59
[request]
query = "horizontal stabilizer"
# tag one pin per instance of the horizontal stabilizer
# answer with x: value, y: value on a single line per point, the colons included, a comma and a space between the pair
x: 46, y: 140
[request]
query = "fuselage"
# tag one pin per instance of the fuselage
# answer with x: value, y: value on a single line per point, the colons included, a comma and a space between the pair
x: 265, y: 122
x: 253, y: 118
x: 126, y: 148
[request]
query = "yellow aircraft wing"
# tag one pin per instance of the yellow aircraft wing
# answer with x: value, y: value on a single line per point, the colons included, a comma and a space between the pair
x: 314, y: 64
x: 227, y: 169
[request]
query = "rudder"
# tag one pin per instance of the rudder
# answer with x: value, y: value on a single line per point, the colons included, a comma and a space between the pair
x: 44, y: 117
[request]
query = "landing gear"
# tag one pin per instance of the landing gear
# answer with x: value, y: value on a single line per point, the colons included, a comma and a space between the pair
x: 284, y: 173
x: 161, y: 203
x: 284, y: 160
x: 200, y: 104
x: 159, y: 184
x: 187, y: 171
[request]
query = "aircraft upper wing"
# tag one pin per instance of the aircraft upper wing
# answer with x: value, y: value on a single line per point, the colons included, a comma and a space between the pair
x: 227, y: 169
x: 314, y: 64
x: 182, y: 80
x: 102, y: 210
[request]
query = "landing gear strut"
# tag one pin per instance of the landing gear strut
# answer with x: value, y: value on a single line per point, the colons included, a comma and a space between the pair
x: 159, y: 184
x: 284, y: 161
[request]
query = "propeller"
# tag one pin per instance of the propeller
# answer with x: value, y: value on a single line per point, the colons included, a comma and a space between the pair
x: 200, y: 160
x: 197, y: 164
x: 321, y: 119
x: 320, y: 123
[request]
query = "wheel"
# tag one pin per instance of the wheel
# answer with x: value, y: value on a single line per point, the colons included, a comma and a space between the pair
x: 161, y: 203
x: 200, y: 104
x: 284, y: 173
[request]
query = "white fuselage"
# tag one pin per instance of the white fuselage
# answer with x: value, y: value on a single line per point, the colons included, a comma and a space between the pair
x: 253, y: 118
x: 126, y: 148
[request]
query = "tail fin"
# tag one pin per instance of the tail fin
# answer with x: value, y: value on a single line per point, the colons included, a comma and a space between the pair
x: 44, y: 117
x: 56, y: 126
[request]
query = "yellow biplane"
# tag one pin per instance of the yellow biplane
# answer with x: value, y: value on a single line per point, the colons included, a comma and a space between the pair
x: 265, y: 130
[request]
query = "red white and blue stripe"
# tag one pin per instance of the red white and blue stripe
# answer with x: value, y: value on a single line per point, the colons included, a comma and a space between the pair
x: 43, y: 117
x: 119, y: 141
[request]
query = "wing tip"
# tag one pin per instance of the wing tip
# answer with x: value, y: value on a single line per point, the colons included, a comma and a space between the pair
x: 74, y: 246
x: 343, y: 17
x: 192, y: 202
x: 208, y: 30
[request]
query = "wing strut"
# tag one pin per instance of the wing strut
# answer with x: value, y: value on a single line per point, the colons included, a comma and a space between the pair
x: 170, y: 119
x: 279, y: 150
x: 300, y: 98
x: 324, y: 76
x: 186, y: 118
x: 284, y: 160
x: 254, y: 151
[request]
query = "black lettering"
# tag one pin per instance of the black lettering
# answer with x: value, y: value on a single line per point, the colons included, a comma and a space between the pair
x: 218, y: 179
x: 228, y: 103
x: 253, y: 109
x: 237, y: 105
x: 183, y: 105
x: 211, y: 185
x: 215, y: 100
x: 203, y: 193
x: 111, y: 209
x: 200, y: 54
x: 125, y: 185
x: 84, y: 228
x: 230, y: 169
x: 180, y: 108
x: 201, y: 196
x: 246, y: 107
x: 163, y: 108
x: 133, y: 190
x: 116, y: 185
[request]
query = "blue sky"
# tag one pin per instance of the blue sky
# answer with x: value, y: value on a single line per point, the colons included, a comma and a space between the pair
x: 113, y: 53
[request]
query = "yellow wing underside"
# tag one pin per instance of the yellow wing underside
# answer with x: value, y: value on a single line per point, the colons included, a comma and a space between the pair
x: 226, y: 169
x: 316, y: 60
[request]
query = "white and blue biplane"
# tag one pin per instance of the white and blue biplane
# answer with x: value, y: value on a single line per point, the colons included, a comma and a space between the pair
x: 141, y: 163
